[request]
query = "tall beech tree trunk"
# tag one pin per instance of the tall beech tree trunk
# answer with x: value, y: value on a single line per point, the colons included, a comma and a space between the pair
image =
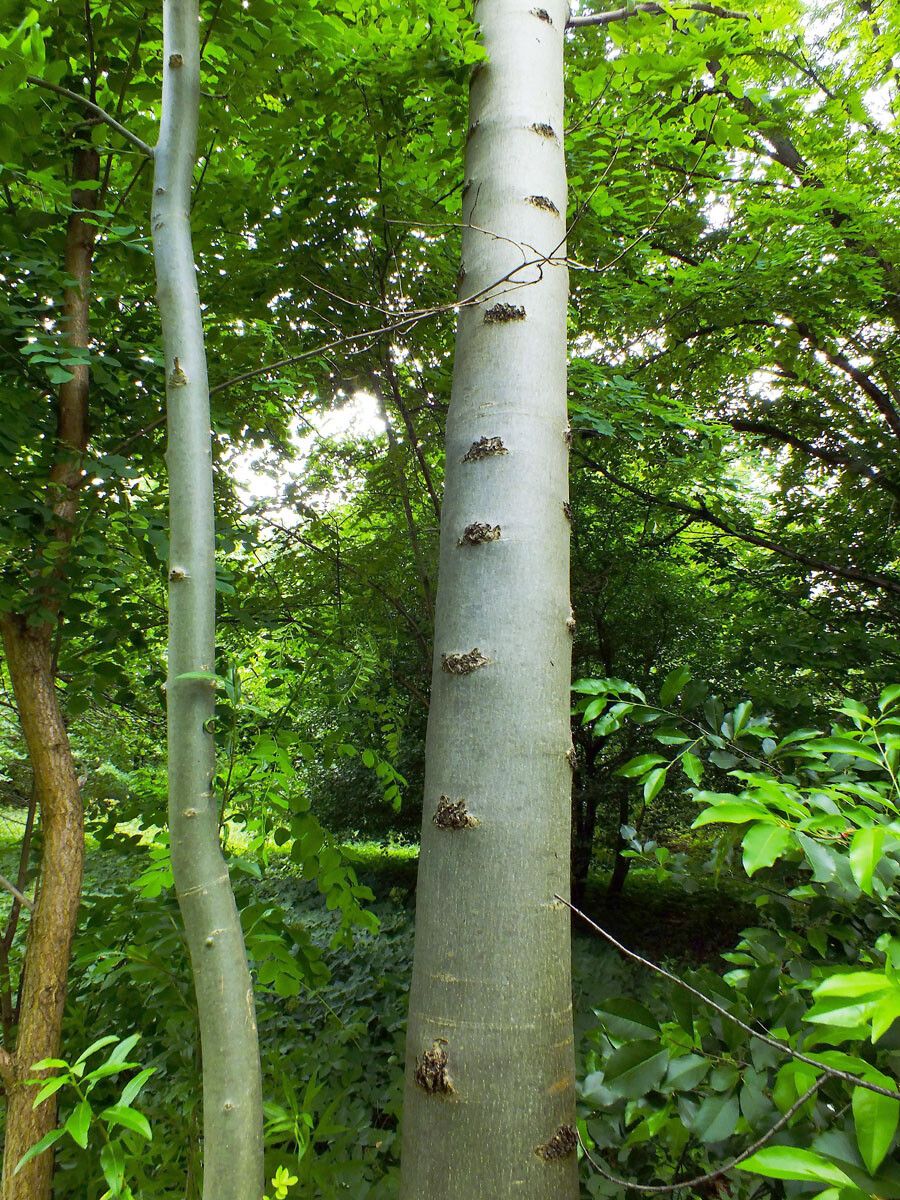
x: 232, y: 1091
x: 489, y: 1105
x: 27, y: 641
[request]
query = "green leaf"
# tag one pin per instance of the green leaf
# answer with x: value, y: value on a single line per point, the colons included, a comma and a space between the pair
x: 124, y: 1048
x: 735, y: 812
x: 875, y: 1118
x: 763, y: 845
x: 635, y: 1069
x: 640, y: 765
x: 654, y: 783
x: 686, y: 1072
x: 49, y: 1088
x: 821, y: 858
x: 692, y: 767
x: 889, y: 696
x: 865, y: 852
x: 95, y: 1046
x: 846, y: 745
x: 716, y: 1118
x: 789, y: 1162
x: 128, y: 1118
x: 79, y: 1123
x: 134, y: 1086
x: 38, y: 1148
x: 625, y: 1018
x: 852, y: 983
x: 673, y: 684
x: 112, y: 1163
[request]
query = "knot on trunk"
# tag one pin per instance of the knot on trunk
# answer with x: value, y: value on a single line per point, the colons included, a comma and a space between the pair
x: 542, y: 129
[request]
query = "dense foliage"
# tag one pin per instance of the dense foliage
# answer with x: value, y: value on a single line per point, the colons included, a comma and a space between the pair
x: 735, y: 410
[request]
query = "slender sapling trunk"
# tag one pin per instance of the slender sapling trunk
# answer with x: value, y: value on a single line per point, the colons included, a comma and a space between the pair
x: 232, y: 1093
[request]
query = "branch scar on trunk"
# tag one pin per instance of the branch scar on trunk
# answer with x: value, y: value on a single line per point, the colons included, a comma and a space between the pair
x: 453, y: 814
x: 485, y: 447
x: 561, y: 1145
x: 431, y: 1070
x: 543, y: 202
x: 501, y: 313
x: 478, y: 533
x: 464, y: 664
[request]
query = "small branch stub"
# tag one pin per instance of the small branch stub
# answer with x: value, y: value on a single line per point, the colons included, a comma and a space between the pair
x: 464, y: 664
x: 431, y: 1070
x: 485, y: 447
x: 501, y: 313
x: 542, y: 129
x: 567, y: 511
x: 561, y: 1145
x: 477, y: 533
x: 176, y: 61
x: 571, y: 623
x: 460, y: 277
x: 567, y: 435
x: 177, y: 574
x: 543, y: 202
x: 471, y: 130
x: 453, y: 814
x: 571, y: 757
x: 178, y: 377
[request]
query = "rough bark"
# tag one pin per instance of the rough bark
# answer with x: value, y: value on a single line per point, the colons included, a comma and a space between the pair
x: 232, y: 1100
x: 28, y: 649
x: 28, y: 656
x: 489, y: 1104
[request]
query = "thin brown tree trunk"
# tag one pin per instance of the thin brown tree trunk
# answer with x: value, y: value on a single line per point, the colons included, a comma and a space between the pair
x: 29, y: 654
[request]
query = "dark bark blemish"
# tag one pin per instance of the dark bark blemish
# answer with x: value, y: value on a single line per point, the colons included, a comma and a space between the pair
x: 567, y: 510
x: 543, y: 202
x: 431, y: 1070
x: 453, y: 814
x: 485, y: 447
x: 501, y: 313
x: 542, y: 15
x: 463, y: 664
x: 561, y: 1145
x: 543, y: 129
x: 477, y: 533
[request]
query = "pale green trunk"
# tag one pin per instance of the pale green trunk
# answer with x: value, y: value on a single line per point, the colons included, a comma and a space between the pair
x: 232, y: 1103
x: 489, y: 1107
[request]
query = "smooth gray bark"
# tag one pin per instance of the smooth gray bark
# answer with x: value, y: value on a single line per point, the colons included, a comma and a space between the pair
x: 489, y: 1105
x: 232, y: 1099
